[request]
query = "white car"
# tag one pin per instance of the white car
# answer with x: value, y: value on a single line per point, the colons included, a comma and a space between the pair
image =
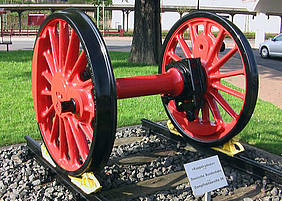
x: 272, y: 47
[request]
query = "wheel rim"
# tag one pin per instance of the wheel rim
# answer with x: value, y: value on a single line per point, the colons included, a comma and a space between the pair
x: 217, y: 119
x: 264, y: 52
x: 66, y: 94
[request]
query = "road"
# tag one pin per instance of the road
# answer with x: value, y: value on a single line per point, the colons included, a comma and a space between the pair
x: 270, y: 70
x: 270, y: 82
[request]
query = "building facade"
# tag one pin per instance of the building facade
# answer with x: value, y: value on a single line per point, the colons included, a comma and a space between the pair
x: 247, y: 23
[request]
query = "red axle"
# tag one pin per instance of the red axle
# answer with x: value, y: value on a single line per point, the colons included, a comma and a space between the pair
x: 170, y: 83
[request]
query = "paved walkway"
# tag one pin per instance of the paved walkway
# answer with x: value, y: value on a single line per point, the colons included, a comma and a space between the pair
x: 270, y: 85
x: 270, y: 82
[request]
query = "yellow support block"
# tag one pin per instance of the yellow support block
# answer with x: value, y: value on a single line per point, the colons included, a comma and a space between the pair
x: 230, y: 148
x: 172, y: 129
x: 46, y: 155
x: 88, y: 183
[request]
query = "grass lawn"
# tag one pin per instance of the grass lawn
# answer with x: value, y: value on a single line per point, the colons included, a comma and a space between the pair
x: 17, y: 117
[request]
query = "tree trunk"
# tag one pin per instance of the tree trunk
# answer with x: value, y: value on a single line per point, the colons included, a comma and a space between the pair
x: 146, y: 43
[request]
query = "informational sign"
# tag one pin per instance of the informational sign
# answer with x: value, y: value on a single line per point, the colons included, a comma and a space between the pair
x: 35, y: 19
x: 2, y: 11
x: 205, y: 175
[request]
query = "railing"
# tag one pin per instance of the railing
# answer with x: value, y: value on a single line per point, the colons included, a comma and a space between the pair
x: 6, y: 39
x: 106, y: 32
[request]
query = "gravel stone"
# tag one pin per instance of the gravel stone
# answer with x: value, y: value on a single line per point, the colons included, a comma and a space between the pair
x: 22, y: 178
x: 274, y: 191
x: 247, y: 199
x: 36, y: 182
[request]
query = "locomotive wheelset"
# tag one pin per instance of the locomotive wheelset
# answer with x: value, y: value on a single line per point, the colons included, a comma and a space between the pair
x: 75, y: 92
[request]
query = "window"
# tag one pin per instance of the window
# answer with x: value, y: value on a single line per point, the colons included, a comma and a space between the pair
x: 278, y: 38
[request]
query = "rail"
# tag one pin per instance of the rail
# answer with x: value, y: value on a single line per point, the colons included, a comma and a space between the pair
x: 35, y: 149
x: 238, y: 161
x: 24, y: 32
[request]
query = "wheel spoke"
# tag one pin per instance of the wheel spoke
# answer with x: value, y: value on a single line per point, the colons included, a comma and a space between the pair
x: 187, y: 52
x: 63, y: 140
x: 207, y: 29
x: 72, y: 53
x: 48, y: 76
x: 205, y: 113
x: 193, y: 34
x: 228, y: 90
x: 72, y: 148
x: 223, y: 60
x: 172, y: 55
x: 49, y: 112
x: 228, y: 74
x: 49, y: 59
x: 87, y: 130
x: 55, y: 129
x: 63, y: 42
x: 79, y: 66
x: 215, y: 111
x: 224, y: 104
x: 80, y: 139
x: 216, y: 46
x: 54, y: 40
x: 88, y: 84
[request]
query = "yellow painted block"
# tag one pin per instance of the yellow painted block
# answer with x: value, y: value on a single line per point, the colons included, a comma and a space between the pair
x: 88, y: 183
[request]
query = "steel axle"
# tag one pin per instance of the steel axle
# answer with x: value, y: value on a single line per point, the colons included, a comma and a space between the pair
x: 171, y: 83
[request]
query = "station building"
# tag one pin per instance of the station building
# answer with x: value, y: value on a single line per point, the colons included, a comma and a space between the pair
x: 260, y: 16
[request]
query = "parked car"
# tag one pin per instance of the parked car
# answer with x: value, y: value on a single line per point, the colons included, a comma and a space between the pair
x: 272, y: 47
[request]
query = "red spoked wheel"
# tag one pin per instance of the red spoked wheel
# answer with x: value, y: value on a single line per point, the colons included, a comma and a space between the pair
x: 226, y: 109
x: 74, y: 92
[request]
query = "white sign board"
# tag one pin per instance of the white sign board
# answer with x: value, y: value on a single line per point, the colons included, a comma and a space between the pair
x: 205, y: 175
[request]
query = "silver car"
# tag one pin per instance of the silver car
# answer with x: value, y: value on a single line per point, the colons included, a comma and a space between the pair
x: 272, y: 47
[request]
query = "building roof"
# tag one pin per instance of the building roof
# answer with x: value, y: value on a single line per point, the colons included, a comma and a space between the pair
x: 268, y: 6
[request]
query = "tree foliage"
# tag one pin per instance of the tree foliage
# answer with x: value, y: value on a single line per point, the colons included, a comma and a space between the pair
x: 100, y: 2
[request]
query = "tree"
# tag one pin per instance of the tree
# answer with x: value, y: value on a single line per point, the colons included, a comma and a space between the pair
x: 100, y: 2
x: 146, y: 43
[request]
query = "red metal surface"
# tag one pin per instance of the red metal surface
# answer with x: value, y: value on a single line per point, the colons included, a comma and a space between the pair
x: 170, y: 82
x: 112, y: 31
x: 209, y: 125
x: 2, y: 11
x: 56, y: 77
x: 35, y: 19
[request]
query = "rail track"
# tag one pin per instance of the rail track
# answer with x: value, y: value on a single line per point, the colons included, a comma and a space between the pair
x: 148, y: 164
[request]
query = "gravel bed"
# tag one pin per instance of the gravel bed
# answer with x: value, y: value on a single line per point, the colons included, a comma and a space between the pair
x: 21, y: 178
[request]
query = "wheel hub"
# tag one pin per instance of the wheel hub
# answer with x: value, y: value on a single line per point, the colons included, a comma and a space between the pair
x: 194, y: 76
x: 61, y: 101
